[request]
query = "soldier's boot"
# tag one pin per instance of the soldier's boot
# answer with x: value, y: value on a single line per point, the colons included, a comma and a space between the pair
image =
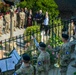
x: 19, y: 27
x: 5, y: 32
x: 8, y: 31
x: 22, y: 27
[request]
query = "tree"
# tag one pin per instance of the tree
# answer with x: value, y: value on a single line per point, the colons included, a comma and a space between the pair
x: 50, y: 6
x: 45, y: 5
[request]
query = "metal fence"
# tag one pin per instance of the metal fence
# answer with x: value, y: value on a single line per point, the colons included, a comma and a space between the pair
x: 26, y: 45
x: 24, y: 42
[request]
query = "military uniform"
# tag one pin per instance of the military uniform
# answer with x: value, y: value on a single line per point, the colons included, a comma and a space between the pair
x: 1, y: 24
x: 43, y: 61
x: 7, y: 22
x: 15, y: 18
x: 65, y: 54
x: 25, y: 70
x: 22, y: 19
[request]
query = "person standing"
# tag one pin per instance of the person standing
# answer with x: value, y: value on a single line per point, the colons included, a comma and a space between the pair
x: 18, y: 17
x: 22, y: 18
x: 30, y: 18
x: 36, y: 16
x: 65, y: 54
x: 71, y: 28
x: 26, y: 68
x: 46, y: 23
x: 1, y: 24
x: 74, y: 28
x: 29, y: 21
x: 15, y: 19
x: 7, y: 22
x: 43, y: 61
x: 26, y: 16
x: 40, y: 19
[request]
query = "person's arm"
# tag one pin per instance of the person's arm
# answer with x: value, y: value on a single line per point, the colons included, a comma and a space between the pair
x: 19, y: 71
x: 36, y: 43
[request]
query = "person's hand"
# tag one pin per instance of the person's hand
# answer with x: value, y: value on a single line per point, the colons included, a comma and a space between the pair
x: 50, y: 47
x: 32, y: 37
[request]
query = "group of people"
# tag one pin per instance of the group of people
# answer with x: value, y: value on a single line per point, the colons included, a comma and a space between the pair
x: 70, y: 28
x: 43, y: 65
x: 22, y: 18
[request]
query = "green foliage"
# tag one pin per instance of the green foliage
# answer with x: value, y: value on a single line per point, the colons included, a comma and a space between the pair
x: 4, y: 7
x: 52, y: 56
x: 55, y: 41
x: 22, y: 4
x: 45, y: 5
x: 30, y: 31
x: 74, y: 73
x: 48, y: 5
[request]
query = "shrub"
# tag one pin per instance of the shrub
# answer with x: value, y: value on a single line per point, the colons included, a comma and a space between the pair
x: 33, y: 30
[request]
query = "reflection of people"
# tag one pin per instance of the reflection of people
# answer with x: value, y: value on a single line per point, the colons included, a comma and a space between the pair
x: 26, y: 68
x: 43, y: 61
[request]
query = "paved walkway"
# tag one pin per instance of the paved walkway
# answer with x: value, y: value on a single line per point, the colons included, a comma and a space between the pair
x: 16, y: 33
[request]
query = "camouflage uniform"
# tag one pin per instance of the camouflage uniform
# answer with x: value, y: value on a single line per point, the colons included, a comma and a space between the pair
x: 65, y: 56
x: 43, y: 61
x: 22, y: 19
x: 1, y: 25
x: 25, y: 70
x: 65, y: 53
